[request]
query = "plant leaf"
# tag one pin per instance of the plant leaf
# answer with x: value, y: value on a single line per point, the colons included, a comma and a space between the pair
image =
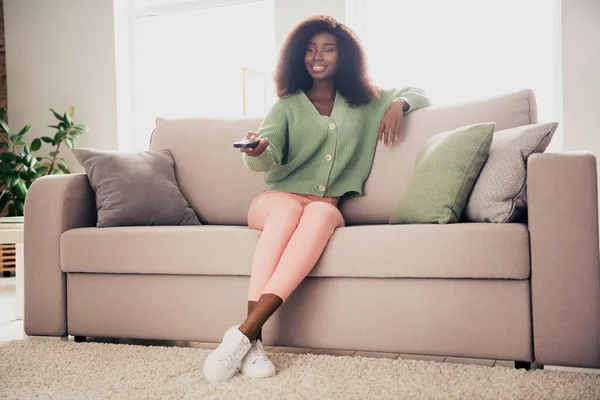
x: 60, y: 135
x: 70, y: 111
x: 14, y: 178
x: 20, y: 204
x: 5, y: 127
x: 25, y: 130
x: 53, y: 153
x: 82, y: 128
x: 43, y: 170
x: 20, y: 190
x: 7, y: 157
x: 28, y: 160
x: 4, y: 145
x: 75, y: 134
x: 64, y: 168
x: 26, y: 149
x: 53, y: 126
x: 11, y: 210
x: 68, y: 120
x: 4, y: 197
x: 2, y: 112
x: 36, y: 144
x: 57, y: 115
x: 70, y: 142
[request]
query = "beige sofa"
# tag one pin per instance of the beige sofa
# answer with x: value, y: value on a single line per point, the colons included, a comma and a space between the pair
x: 524, y: 292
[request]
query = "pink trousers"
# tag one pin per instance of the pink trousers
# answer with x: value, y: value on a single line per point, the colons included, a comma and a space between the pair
x: 295, y: 230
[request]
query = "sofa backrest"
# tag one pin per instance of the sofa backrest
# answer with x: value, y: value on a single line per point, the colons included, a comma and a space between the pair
x: 214, y: 180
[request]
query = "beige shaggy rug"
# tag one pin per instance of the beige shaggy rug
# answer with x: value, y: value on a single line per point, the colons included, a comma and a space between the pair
x: 47, y: 369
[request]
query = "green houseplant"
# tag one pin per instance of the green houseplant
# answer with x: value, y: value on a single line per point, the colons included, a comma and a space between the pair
x: 20, y: 167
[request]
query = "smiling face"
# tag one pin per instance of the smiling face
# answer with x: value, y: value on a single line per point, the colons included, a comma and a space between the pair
x: 321, y: 57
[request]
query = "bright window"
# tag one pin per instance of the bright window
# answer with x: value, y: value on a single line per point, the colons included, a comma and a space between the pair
x: 210, y: 61
x: 463, y: 49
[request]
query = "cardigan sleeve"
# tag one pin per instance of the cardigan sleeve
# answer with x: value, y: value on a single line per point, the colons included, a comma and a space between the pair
x: 273, y: 127
x: 416, y: 98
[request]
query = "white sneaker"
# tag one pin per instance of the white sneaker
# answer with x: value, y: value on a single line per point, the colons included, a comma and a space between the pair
x: 225, y: 360
x: 256, y: 364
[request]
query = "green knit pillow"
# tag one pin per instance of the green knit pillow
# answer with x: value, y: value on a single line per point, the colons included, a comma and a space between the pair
x: 445, y: 172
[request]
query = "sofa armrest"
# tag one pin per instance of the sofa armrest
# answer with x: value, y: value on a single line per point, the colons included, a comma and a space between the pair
x: 565, y: 281
x: 54, y: 204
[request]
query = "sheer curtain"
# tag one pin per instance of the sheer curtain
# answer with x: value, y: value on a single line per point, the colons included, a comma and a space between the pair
x: 462, y: 49
x: 200, y: 61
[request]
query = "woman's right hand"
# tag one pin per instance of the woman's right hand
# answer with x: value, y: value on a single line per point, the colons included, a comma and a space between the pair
x: 258, y: 150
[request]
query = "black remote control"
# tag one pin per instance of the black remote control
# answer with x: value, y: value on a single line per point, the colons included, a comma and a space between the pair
x: 246, y: 143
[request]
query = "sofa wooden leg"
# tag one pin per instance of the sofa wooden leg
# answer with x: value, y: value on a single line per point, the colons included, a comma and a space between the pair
x: 80, y: 339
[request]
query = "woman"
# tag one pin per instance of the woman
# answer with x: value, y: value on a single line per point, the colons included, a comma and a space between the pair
x: 317, y: 144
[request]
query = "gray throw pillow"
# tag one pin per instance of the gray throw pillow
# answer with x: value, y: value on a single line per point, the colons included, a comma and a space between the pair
x: 135, y: 188
x: 500, y: 192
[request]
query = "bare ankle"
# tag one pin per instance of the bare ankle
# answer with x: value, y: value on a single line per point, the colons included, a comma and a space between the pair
x: 248, y: 331
x: 258, y: 314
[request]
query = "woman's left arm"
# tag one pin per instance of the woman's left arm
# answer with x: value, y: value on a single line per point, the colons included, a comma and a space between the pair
x: 404, y: 101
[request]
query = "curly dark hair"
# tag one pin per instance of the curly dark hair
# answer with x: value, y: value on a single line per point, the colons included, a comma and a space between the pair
x: 351, y: 80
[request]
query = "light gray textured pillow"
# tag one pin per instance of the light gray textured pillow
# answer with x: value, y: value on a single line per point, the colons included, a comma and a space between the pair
x: 500, y: 192
x: 135, y: 188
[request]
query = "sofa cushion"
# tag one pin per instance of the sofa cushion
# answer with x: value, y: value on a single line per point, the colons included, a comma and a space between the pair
x: 135, y: 188
x: 212, y: 176
x: 466, y: 250
x: 500, y: 193
x: 445, y: 172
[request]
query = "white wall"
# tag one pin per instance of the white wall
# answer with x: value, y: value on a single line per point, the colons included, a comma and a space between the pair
x: 581, y: 74
x: 61, y: 53
x: 123, y: 22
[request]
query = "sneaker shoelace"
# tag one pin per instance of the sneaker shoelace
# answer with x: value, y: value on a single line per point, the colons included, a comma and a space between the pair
x: 230, y: 353
x: 256, y: 352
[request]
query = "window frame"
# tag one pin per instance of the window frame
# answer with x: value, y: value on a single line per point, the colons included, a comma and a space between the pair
x: 190, y: 5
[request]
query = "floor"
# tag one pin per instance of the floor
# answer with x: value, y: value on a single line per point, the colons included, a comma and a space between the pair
x: 11, y: 329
